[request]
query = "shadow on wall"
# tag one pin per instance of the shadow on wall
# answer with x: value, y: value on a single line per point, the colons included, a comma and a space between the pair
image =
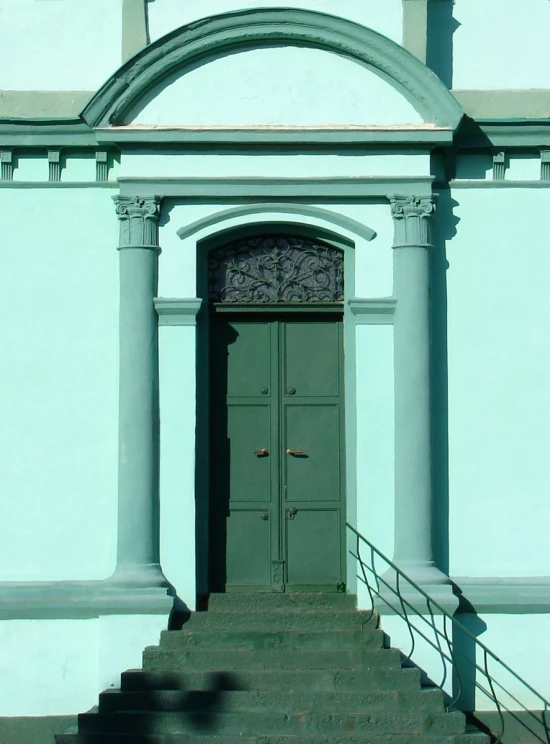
x: 445, y: 228
x: 439, y: 42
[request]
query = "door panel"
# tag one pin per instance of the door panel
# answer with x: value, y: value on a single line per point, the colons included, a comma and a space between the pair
x: 249, y: 429
x: 249, y: 358
x: 314, y: 548
x: 312, y: 358
x: 315, y: 430
x: 248, y: 549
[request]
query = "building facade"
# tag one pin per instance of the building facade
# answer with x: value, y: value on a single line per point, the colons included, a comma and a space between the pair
x: 268, y: 271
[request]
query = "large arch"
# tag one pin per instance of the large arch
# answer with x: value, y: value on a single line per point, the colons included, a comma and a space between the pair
x: 263, y: 27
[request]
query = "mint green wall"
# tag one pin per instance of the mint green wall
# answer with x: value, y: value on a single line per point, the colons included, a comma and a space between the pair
x: 59, y: 384
x: 177, y: 444
x: 500, y: 47
x: 375, y: 434
x: 499, y: 396
x: 277, y: 86
x: 59, y: 44
x: 48, y: 667
x: 58, y: 667
x: 527, y: 656
x: 382, y: 15
x: 277, y: 164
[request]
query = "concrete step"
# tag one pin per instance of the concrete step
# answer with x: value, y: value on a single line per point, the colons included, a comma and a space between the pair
x: 157, y: 659
x: 297, y: 681
x: 113, y: 701
x: 281, y: 620
x: 262, y: 723
x: 347, y: 738
x: 258, y: 640
x: 237, y: 602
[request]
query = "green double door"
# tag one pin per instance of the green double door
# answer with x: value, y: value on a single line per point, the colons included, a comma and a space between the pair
x: 277, y: 501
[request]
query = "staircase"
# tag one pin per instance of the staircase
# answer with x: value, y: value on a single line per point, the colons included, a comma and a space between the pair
x: 273, y: 669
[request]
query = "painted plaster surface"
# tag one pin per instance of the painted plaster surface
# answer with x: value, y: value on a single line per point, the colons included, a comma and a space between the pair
x: 527, y: 656
x: 48, y: 667
x: 59, y: 44
x: 276, y: 86
x: 499, y: 398
x: 384, y: 16
x: 59, y: 385
x: 496, y: 49
x: 121, y: 640
x: 281, y: 165
x: 523, y: 167
x: 375, y: 433
x: 30, y: 167
x: 177, y: 466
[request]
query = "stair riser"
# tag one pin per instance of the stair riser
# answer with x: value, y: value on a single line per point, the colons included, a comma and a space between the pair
x: 237, y: 701
x: 349, y: 738
x: 281, y: 600
x: 158, y: 660
x: 396, y: 680
x: 308, y: 621
x: 260, y: 640
x: 263, y: 723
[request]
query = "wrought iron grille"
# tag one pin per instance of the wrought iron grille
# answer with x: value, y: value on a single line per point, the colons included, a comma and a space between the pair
x: 275, y: 269
x: 477, y: 669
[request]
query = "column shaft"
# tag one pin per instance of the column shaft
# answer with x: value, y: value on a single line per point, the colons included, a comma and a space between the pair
x: 413, y: 477
x: 138, y: 559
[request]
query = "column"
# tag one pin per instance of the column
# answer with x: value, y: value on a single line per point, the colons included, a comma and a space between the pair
x: 413, y: 478
x: 138, y: 562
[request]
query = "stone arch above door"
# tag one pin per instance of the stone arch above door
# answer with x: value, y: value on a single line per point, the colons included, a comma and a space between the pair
x: 185, y: 50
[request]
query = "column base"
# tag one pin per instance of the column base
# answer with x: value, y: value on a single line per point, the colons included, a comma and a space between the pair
x: 436, y: 584
x: 138, y: 589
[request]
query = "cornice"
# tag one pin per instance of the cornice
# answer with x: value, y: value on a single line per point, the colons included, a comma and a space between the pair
x: 173, y: 311
x: 373, y: 311
x: 423, y: 135
x: 264, y: 188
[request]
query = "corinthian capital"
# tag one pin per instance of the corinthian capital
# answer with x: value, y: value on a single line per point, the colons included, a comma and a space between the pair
x: 412, y: 220
x: 139, y: 218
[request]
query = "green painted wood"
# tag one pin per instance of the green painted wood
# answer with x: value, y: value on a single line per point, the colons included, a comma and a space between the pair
x: 276, y: 518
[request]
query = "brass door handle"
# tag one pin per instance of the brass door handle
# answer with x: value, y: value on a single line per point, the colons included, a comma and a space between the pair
x: 295, y: 452
x: 263, y: 452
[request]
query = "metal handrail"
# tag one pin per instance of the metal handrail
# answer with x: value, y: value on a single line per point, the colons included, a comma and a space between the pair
x: 403, y: 607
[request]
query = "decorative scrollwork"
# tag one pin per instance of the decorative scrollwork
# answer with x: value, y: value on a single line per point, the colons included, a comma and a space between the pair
x: 276, y: 268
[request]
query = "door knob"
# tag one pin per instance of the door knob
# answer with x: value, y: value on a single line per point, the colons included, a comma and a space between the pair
x: 263, y: 452
x: 291, y: 513
x: 295, y: 452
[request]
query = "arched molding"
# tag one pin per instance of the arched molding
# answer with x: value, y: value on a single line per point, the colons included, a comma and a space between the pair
x: 259, y: 27
x: 252, y: 214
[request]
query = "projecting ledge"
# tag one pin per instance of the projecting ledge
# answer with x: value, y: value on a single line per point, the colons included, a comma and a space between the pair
x: 375, y: 311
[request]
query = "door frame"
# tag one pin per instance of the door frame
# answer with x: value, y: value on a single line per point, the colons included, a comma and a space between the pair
x: 202, y: 484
